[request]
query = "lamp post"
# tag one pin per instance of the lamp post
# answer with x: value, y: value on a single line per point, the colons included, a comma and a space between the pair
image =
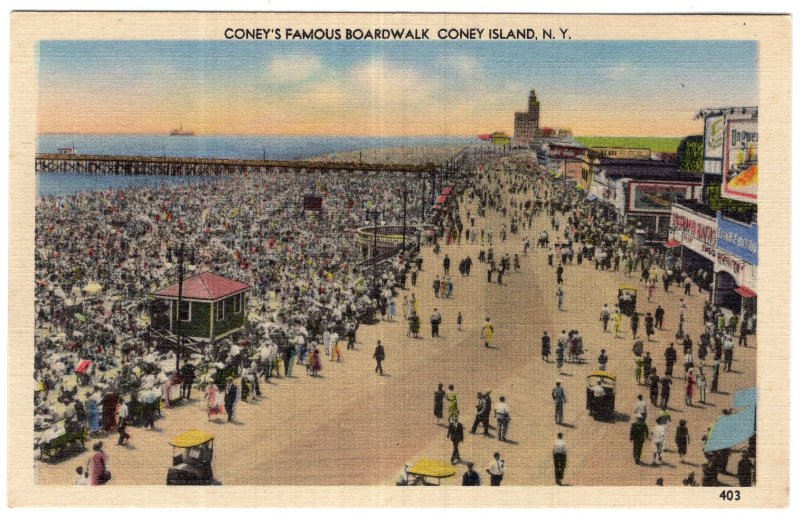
x: 179, y: 340
x: 405, y: 198
x: 373, y: 213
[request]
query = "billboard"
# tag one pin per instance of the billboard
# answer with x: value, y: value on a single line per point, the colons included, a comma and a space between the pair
x: 714, y: 138
x: 656, y: 197
x: 623, y: 153
x: 740, y: 160
x: 694, y: 231
x: 738, y: 239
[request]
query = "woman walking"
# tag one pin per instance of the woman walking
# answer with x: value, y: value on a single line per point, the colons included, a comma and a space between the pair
x: 690, y: 384
x: 682, y: 439
x: 316, y: 363
x: 214, y: 405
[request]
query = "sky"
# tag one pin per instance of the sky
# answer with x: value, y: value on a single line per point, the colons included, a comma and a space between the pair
x: 408, y: 88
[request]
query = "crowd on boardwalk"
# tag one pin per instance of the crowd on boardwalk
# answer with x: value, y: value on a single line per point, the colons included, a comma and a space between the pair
x: 99, y: 255
x: 98, y: 368
x: 579, y: 234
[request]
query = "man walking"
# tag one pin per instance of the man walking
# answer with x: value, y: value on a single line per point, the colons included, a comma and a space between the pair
x: 670, y: 357
x: 659, y: 317
x: 560, y: 458
x: 605, y: 316
x: 496, y: 470
x: 379, y: 355
x: 560, y: 298
x: 436, y: 320
x: 648, y: 326
x: 437, y: 283
x: 188, y: 376
x: 446, y: 264
x: 482, y: 412
x: 455, y: 432
x: 503, y: 416
x: 639, y: 433
x: 602, y: 360
x: 546, y: 347
x: 560, y: 398
x: 666, y: 386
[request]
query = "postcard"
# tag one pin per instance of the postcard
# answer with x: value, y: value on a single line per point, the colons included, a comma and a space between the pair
x: 323, y: 259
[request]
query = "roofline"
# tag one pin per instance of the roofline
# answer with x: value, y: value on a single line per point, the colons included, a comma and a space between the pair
x: 160, y: 296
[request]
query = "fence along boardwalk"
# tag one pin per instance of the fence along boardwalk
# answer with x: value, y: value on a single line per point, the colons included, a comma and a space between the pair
x: 177, y: 166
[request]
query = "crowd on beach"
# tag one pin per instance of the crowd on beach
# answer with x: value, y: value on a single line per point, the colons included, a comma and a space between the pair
x: 99, y: 256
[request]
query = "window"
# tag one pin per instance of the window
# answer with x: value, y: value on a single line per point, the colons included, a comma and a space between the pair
x: 220, y: 309
x: 185, y: 312
x: 237, y: 303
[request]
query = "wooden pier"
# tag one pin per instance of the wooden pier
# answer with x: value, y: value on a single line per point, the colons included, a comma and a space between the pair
x: 183, y: 166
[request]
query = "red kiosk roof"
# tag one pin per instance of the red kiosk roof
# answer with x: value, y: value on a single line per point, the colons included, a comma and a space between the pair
x: 205, y: 286
x: 671, y: 244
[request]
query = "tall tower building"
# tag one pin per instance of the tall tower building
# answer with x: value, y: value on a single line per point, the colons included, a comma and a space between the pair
x: 526, y: 124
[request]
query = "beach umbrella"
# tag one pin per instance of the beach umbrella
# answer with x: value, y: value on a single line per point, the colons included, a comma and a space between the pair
x: 93, y: 288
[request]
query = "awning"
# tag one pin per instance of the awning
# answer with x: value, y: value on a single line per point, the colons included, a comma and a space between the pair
x: 447, y: 190
x: 735, y: 429
x: 745, y: 398
x: 591, y: 196
x: 671, y: 244
x: 745, y: 292
x: 442, y: 199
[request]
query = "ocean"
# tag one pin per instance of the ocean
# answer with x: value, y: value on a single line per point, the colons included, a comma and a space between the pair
x: 242, y: 147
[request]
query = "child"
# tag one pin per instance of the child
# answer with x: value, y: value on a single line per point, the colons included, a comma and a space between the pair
x: 459, y: 321
x: 83, y: 477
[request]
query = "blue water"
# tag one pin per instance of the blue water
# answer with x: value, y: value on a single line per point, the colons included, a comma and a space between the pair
x: 240, y: 147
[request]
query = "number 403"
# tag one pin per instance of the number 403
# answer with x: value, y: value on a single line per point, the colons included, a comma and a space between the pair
x: 730, y: 495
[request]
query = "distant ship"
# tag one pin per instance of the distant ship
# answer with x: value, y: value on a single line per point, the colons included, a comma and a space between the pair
x: 180, y: 132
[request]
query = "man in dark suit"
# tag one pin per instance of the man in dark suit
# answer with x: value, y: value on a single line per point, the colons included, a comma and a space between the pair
x: 455, y: 432
x: 379, y: 356
x: 230, y: 398
x: 471, y: 478
x: 188, y: 375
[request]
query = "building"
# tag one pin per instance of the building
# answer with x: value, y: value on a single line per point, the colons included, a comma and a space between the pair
x: 212, y: 307
x: 718, y: 235
x: 641, y: 192
x: 526, y: 124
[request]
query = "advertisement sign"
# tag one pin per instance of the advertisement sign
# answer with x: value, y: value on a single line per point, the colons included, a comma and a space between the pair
x: 714, y: 136
x: 743, y: 272
x: 623, y: 153
x: 656, y: 197
x: 714, y: 139
x: 566, y: 151
x: 740, y: 160
x: 738, y: 239
x: 694, y: 231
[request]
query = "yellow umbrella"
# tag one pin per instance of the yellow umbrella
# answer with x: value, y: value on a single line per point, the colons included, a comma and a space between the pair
x: 93, y: 288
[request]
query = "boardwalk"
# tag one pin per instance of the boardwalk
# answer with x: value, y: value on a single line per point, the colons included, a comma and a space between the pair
x: 357, y: 428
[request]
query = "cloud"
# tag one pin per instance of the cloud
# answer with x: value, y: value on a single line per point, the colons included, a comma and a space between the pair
x: 293, y: 68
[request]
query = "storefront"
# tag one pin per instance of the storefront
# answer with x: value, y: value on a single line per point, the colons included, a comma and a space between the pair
x: 736, y: 265
x: 693, y: 235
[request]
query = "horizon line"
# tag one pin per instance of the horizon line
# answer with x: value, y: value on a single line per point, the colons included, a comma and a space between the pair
x: 59, y: 133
